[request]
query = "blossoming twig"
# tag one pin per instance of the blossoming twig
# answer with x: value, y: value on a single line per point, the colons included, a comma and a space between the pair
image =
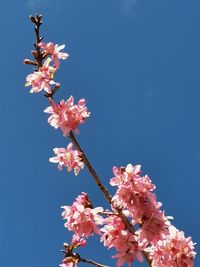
x: 39, y: 56
x: 132, y: 205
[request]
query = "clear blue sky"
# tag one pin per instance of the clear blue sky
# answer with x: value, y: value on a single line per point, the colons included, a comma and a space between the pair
x: 137, y: 63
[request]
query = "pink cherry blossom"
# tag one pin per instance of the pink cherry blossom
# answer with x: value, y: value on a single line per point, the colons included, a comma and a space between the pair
x: 134, y: 193
x: 173, y: 251
x: 127, y: 244
x: 153, y: 227
x: 66, y: 115
x: 131, y: 174
x: 68, y: 157
x: 82, y: 219
x: 54, y: 50
x: 77, y: 241
x: 42, y: 79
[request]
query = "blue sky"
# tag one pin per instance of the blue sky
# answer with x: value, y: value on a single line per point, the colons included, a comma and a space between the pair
x: 137, y: 63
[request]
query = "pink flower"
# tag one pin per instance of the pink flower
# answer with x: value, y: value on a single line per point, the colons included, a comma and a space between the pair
x: 122, y: 172
x: 54, y: 51
x: 113, y: 225
x: 66, y: 115
x: 81, y: 218
x: 78, y: 242
x: 134, y: 193
x: 153, y: 227
x: 131, y: 175
x: 41, y: 79
x: 173, y: 251
x: 115, y: 235
x: 68, y: 157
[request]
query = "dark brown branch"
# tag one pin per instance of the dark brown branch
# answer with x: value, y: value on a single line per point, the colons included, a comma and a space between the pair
x: 90, y: 168
x: 37, y: 20
x: 30, y: 62
x: 53, y: 91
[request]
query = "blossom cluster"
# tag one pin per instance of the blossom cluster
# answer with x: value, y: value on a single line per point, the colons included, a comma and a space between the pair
x: 81, y: 218
x: 165, y: 245
x: 155, y: 233
x: 54, y: 51
x: 134, y: 193
x: 127, y: 244
x: 68, y: 157
x: 66, y: 115
x: 42, y: 79
x: 173, y: 250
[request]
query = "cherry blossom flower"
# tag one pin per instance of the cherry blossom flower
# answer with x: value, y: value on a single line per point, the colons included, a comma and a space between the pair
x: 77, y: 241
x: 173, y: 251
x: 127, y: 244
x: 54, y: 50
x: 42, y: 79
x: 81, y: 218
x: 68, y: 157
x: 66, y: 115
x: 153, y: 227
x: 134, y: 193
x: 131, y: 174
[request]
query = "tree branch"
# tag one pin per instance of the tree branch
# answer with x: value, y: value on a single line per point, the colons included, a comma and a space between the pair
x: 90, y: 168
x: 37, y: 20
x: 93, y: 262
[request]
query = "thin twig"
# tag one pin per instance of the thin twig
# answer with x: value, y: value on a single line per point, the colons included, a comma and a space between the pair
x: 30, y: 62
x: 108, y: 213
x: 93, y: 262
x: 37, y: 20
